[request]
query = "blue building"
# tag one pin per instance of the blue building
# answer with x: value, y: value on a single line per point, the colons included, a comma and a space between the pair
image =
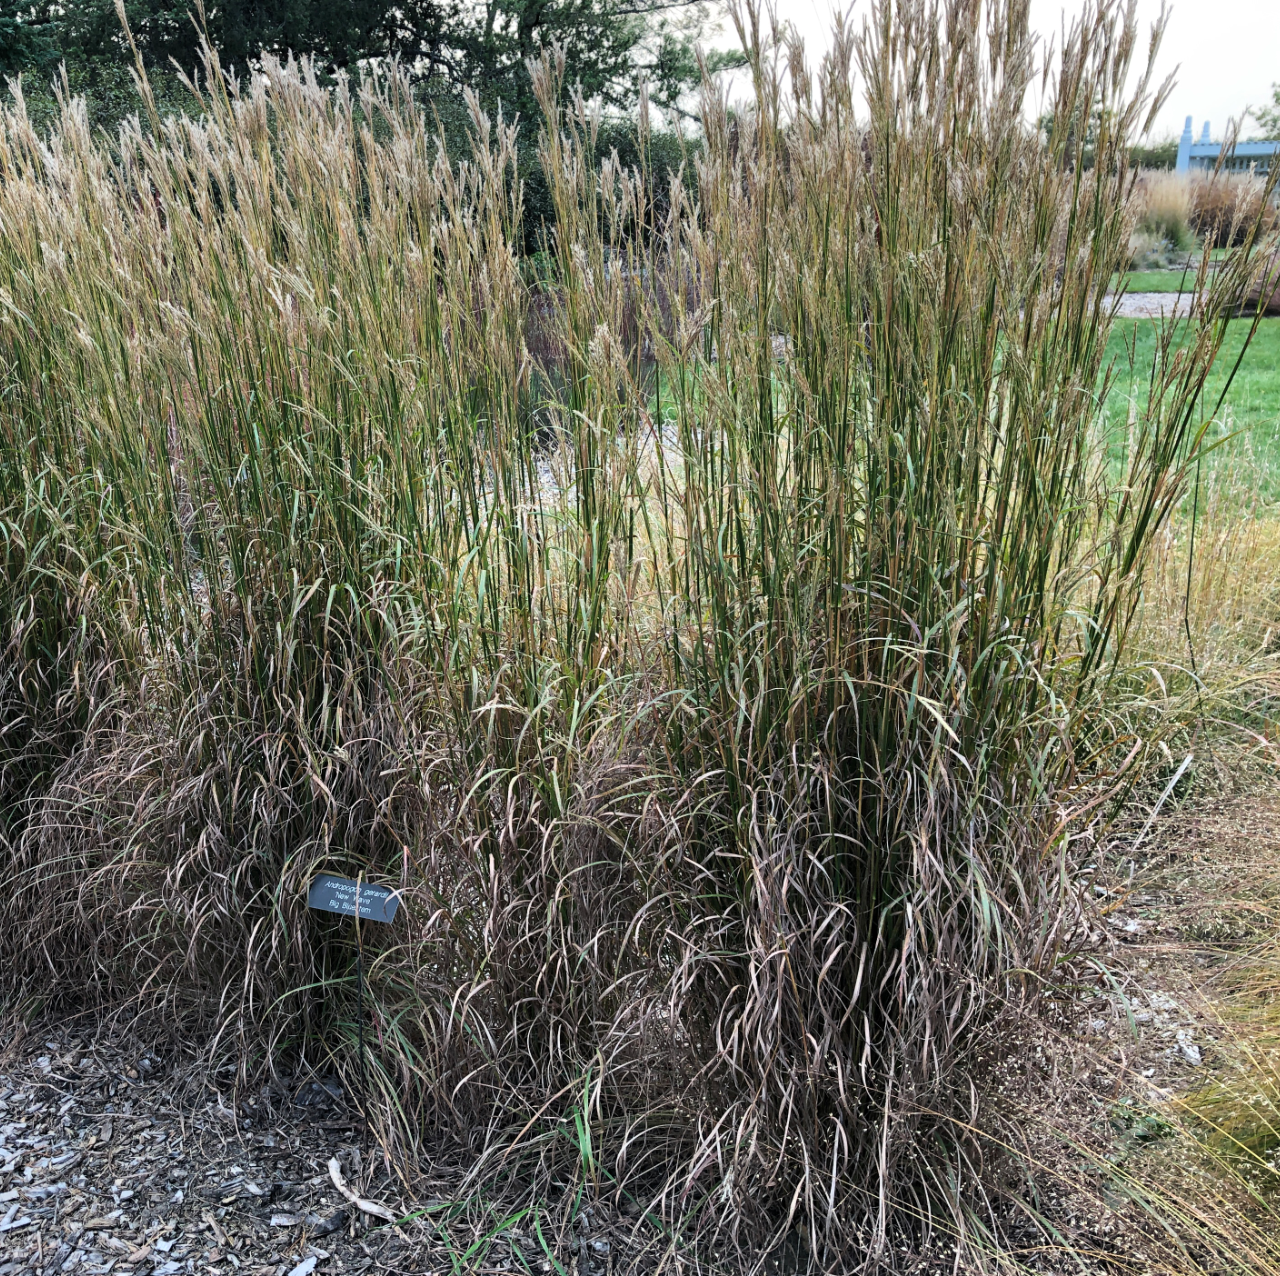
x: 1202, y: 156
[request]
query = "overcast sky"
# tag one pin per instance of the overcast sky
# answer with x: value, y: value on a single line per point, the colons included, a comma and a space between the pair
x: 1228, y: 51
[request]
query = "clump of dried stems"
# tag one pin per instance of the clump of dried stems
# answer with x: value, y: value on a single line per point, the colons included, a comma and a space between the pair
x: 1225, y: 207
x: 718, y: 675
x: 1164, y: 204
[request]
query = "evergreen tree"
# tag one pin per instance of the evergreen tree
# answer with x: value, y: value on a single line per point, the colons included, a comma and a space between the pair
x: 337, y: 32
x: 29, y: 37
x: 482, y: 45
x: 448, y: 45
x: 605, y: 43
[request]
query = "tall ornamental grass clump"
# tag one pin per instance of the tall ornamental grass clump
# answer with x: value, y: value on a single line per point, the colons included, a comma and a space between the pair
x: 1164, y: 200
x: 716, y: 634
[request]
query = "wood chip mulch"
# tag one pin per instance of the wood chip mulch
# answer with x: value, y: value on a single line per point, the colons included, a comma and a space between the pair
x: 106, y: 1165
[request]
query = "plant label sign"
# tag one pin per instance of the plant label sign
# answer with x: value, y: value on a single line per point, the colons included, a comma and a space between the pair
x: 332, y: 894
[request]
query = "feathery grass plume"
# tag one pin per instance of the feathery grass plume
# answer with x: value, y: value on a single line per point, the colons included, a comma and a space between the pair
x: 713, y: 635
x: 1164, y: 201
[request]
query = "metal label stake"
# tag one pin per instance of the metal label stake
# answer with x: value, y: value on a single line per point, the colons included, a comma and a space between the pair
x: 362, y: 901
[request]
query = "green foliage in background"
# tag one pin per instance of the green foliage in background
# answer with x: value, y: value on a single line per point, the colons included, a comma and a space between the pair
x: 446, y: 46
x: 1251, y: 410
x: 81, y: 32
x: 1269, y: 116
x: 1160, y: 155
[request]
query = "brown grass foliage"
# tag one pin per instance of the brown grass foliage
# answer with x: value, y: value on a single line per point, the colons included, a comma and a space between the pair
x: 1214, y: 599
x: 1224, y: 207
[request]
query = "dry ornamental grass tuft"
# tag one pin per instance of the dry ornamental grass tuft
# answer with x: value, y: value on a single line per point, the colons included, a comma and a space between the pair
x: 716, y: 638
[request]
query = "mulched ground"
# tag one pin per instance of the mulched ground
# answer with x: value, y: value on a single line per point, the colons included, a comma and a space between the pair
x: 111, y: 1160
x: 1181, y: 914
x: 107, y: 1164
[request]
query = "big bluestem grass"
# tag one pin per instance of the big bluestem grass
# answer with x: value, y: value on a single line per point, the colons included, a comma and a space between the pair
x: 716, y: 634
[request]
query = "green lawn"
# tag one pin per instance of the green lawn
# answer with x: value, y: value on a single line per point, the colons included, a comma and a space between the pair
x: 1160, y: 281
x: 1252, y: 406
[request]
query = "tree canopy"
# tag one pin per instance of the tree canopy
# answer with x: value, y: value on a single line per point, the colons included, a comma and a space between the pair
x: 449, y: 44
x: 1269, y: 116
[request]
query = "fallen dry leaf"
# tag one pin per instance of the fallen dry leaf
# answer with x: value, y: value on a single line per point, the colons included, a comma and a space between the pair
x: 366, y: 1207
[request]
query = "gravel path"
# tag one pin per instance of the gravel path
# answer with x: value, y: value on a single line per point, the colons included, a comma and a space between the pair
x: 1154, y: 305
